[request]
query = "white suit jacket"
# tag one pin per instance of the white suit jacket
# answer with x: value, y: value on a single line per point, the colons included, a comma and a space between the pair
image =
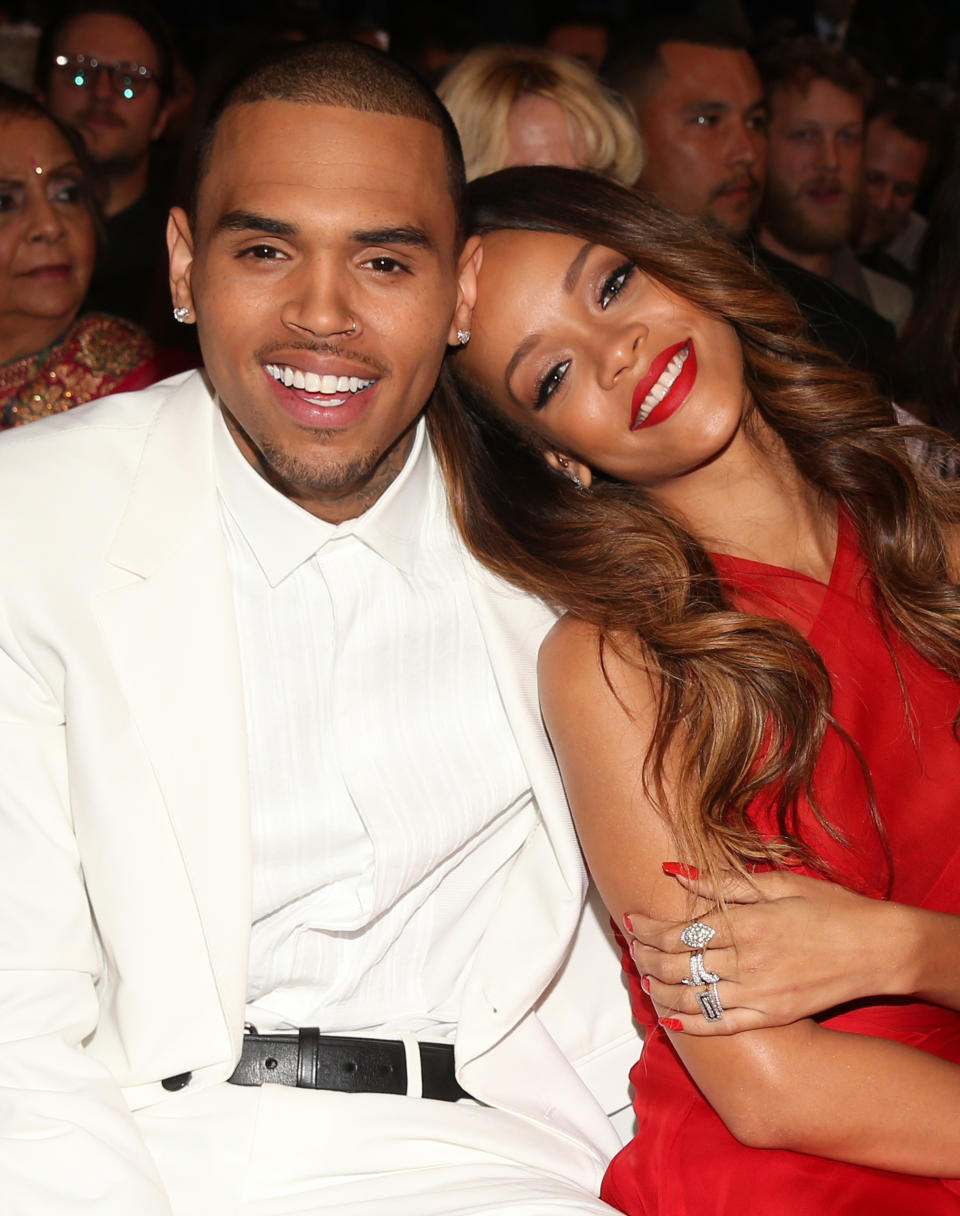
x: 124, y: 823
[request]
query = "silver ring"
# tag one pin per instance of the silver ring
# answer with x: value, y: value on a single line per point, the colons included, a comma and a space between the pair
x: 710, y: 1005
x: 696, y: 936
x: 699, y: 975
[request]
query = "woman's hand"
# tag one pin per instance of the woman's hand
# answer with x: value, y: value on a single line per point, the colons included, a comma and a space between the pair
x: 788, y: 947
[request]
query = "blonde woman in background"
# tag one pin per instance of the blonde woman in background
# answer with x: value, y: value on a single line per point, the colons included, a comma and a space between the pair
x: 520, y: 105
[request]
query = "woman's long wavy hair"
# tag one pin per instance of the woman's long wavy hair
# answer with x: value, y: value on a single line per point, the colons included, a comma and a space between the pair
x: 744, y: 701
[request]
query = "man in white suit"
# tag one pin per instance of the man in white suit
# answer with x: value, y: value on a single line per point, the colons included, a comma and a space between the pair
x: 271, y: 751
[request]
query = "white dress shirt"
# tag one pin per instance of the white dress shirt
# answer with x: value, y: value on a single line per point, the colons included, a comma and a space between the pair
x: 388, y: 795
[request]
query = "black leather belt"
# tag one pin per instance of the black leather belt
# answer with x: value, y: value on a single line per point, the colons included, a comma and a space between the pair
x: 312, y: 1060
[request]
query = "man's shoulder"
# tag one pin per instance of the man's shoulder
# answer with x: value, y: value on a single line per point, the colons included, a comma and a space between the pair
x: 73, y: 472
x: 90, y: 425
x: 845, y: 325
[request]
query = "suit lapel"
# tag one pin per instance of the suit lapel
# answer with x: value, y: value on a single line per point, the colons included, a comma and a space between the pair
x: 543, y: 897
x: 168, y: 621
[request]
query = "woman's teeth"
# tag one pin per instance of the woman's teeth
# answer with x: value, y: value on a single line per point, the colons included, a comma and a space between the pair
x: 310, y: 382
x: 663, y: 385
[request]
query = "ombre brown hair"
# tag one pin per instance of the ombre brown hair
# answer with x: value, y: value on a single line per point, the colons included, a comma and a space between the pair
x: 743, y: 701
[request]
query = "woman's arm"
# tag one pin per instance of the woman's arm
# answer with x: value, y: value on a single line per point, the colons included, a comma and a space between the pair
x: 801, y: 1086
x: 865, y: 947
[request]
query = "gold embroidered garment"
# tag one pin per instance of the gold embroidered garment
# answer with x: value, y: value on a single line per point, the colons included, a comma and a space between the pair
x: 95, y: 357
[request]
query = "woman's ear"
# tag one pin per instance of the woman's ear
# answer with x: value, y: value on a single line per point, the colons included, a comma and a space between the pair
x: 575, y: 470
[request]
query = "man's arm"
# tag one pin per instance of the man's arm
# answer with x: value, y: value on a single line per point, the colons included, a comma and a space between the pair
x: 67, y: 1138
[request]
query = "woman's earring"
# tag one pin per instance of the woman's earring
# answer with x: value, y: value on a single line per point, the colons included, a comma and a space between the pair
x: 570, y: 475
x: 180, y: 313
x: 463, y: 336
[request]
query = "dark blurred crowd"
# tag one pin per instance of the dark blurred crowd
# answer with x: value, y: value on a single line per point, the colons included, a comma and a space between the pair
x: 820, y: 136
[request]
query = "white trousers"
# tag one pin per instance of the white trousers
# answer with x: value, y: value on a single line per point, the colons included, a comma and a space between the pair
x: 273, y: 1151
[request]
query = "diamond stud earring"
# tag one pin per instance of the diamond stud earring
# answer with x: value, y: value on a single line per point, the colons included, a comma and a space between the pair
x: 463, y: 336
x: 181, y: 313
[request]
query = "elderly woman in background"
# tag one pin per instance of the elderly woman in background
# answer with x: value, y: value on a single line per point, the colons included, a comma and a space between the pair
x: 49, y: 359
x: 519, y: 105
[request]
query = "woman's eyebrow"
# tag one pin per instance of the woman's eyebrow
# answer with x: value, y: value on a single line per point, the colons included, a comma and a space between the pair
x: 575, y: 269
x: 525, y: 347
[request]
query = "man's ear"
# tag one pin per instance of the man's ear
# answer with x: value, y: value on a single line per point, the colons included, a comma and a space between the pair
x: 162, y: 118
x: 575, y: 470
x: 468, y: 267
x: 180, y: 249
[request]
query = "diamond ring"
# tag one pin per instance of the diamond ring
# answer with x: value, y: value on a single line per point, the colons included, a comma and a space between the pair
x: 699, y: 975
x: 697, y: 935
x: 710, y: 1005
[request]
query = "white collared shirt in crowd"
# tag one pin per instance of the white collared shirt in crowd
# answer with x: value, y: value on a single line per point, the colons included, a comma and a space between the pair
x: 388, y: 795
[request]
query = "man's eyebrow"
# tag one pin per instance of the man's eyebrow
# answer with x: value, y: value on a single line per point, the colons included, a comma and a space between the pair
x: 250, y: 221
x: 404, y: 234
x: 708, y: 103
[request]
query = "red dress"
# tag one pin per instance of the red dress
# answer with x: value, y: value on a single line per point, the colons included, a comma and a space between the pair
x: 683, y: 1161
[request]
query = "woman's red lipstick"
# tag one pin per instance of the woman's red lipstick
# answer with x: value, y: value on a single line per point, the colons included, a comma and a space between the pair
x: 678, y: 392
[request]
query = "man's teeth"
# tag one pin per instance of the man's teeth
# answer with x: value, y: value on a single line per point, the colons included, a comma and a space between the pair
x: 664, y: 384
x: 310, y: 382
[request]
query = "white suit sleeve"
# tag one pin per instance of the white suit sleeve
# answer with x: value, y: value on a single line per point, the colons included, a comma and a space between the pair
x: 68, y: 1142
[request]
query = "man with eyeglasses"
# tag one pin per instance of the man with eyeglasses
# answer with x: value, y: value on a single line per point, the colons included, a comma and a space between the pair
x: 105, y: 68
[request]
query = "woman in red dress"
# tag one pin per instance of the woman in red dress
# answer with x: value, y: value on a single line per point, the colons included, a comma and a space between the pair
x: 756, y: 680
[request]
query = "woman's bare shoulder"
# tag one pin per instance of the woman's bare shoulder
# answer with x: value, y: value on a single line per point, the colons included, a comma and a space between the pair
x: 570, y: 639
x: 579, y: 659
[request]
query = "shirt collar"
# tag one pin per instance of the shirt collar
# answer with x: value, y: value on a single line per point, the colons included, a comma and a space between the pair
x: 282, y: 535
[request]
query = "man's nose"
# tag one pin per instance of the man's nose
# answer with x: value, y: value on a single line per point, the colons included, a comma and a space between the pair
x: 319, y: 304
x: 881, y: 195
x: 743, y: 148
x: 102, y: 85
x: 830, y: 154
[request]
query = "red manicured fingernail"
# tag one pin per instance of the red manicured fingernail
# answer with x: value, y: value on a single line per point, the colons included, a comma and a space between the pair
x: 671, y: 1023
x: 627, y: 924
x: 645, y: 982
x: 676, y: 869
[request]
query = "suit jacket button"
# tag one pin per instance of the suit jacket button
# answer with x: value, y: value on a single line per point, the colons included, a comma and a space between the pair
x: 180, y: 1081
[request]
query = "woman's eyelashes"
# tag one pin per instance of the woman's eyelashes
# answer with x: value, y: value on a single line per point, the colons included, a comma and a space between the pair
x: 549, y: 383
x: 614, y: 283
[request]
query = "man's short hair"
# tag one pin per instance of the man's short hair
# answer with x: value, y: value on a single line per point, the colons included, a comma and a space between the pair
x: 137, y: 11
x: 347, y: 74
x: 796, y: 63
x: 636, y: 66
x: 912, y: 115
